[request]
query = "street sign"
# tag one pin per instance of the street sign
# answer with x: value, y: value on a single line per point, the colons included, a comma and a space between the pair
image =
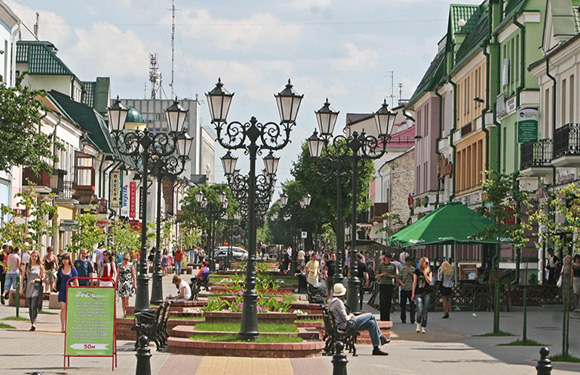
x: 304, y: 234
x: 90, y: 322
x: 115, y: 189
x: 132, y: 199
x: 527, y: 124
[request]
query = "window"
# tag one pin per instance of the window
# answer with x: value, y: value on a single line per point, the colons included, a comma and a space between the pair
x: 84, y: 170
x: 426, y: 119
x: 571, y: 99
x: 564, y: 112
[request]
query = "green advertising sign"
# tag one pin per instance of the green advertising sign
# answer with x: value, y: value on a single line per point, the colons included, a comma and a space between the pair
x: 528, y: 124
x: 90, y: 322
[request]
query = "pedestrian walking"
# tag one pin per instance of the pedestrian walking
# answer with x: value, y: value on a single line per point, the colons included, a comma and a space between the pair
x: 576, y: 281
x: 178, y: 258
x: 446, y: 278
x: 108, y: 270
x: 164, y: 262
x: 3, y: 257
x: 566, y: 277
x: 126, y: 282
x: 12, y: 271
x: 313, y: 270
x: 84, y: 268
x: 406, y: 279
x: 31, y: 286
x: 422, y: 292
x: 65, y: 273
x: 387, y: 274
x: 553, y: 267
x: 50, y: 263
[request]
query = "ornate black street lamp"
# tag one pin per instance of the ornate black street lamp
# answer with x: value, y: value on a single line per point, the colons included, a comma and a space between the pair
x: 215, y: 211
x: 165, y: 167
x: 291, y: 212
x: 351, y: 148
x: 253, y: 137
x: 141, y: 145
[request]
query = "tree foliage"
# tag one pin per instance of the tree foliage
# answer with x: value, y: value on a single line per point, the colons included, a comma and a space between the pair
x: 506, y: 205
x: 22, y: 143
x: 88, y: 233
x: 559, y: 219
x: 31, y: 220
x: 123, y: 237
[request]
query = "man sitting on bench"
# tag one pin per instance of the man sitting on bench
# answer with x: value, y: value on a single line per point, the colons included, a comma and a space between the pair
x: 184, y: 290
x: 345, y: 321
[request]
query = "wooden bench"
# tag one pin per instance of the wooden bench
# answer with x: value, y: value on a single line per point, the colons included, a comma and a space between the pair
x: 332, y: 334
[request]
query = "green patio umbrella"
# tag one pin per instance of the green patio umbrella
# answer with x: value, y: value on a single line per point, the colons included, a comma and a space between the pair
x: 452, y: 223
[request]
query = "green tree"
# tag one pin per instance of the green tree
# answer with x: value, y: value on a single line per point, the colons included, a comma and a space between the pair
x: 22, y: 143
x: 31, y: 220
x: 88, y: 233
x: 123, y: 237
x: 509, y: 207
x: 392, y: 224
x: 559, y: 220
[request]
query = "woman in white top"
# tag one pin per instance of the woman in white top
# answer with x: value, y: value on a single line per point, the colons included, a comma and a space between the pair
x: 184, y: 290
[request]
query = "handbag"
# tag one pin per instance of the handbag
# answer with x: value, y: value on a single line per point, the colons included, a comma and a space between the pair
x: 559, y: 282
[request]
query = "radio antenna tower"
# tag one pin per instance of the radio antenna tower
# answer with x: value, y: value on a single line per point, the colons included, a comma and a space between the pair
x: 172, y: 47
x: 154, y: 76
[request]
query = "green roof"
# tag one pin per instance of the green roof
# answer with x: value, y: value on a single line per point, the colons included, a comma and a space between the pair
x: 41, y: 58
x: 564, y: 19
x: 463, y: 12
x: 431, y: 78
x: 473, y: 40
x: 513, y: 6
x: 133, y: 115
x: 87, y: 118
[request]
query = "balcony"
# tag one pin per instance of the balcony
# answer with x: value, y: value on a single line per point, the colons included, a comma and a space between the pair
x: 537, y: 158
x: 45, y: 182
x: 567, y: 146
x: 377, y: 211
x: 65, y: 194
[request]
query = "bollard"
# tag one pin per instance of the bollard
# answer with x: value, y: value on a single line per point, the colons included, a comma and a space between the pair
x: 143, y: 357
x: 36, y: 373
x: 339, y: 360
x: 544, y: 366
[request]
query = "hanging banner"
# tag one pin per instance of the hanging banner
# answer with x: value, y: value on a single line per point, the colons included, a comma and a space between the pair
x: 528, y: 124
x: 132, y: 199
x: 115, y: 192
x: 125, y: 202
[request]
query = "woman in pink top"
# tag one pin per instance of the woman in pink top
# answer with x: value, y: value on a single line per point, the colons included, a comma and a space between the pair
x: 12, y: 271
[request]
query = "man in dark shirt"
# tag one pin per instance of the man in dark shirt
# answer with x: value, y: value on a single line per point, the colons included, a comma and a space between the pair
x: 3, y: 255
x: 84, y: 268
x: 363, y: 276
x: 387, y: 275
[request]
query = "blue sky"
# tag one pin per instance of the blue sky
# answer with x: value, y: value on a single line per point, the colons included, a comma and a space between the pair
x: 340, y: 49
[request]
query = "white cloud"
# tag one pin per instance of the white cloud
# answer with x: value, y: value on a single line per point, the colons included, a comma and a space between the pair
x: 52, y: 27
x: 240, y: 35
x: 357, y: 59
x: 106, y: 50
x: 310, y: 4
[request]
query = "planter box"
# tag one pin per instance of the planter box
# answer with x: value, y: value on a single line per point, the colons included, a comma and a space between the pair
x: 228, y: 316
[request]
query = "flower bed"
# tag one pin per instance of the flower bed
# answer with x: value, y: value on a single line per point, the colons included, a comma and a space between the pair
x: 229, y: 316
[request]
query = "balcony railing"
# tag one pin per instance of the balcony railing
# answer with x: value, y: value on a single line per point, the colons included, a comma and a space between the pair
x: 67, y: 190
x: 537, y: 153
x: 567, y: 140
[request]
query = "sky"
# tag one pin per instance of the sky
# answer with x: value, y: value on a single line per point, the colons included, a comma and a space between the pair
x: 342, y: 50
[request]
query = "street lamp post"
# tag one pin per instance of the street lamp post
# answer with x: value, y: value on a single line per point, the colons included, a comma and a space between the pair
x: 291, y: 212
x: 170, y: 167
x: 215, y: 212
x: 253, y: 137
x: 141, y: 145
x: 352, y: 148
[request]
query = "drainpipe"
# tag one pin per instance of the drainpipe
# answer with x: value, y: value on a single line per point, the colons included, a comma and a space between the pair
x: 552, y: 213
x: 101, y: 171
x: 451, y: 142
x: 439, y: 137
x: 487, y: 100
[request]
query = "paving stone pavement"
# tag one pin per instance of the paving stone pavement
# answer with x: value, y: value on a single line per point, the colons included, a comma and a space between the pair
x: 449, y: 347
